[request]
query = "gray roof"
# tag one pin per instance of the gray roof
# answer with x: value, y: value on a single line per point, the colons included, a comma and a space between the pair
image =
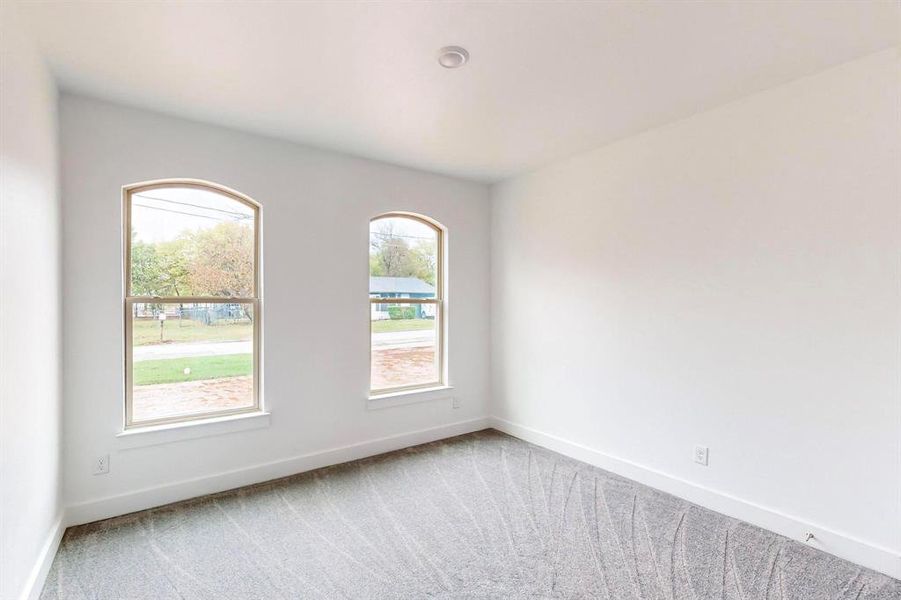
x: 399, y: 285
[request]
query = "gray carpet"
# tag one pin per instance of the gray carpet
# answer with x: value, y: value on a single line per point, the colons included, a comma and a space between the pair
x: 478, y: 516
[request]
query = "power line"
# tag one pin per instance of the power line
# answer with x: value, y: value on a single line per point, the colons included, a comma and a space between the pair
x: 179, y: 212
x: 398, y: 235
x: 222, y: 210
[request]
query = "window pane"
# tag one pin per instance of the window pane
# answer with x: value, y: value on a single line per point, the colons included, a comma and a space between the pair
x: 191, y: 242
x: 190, y: 359
x: 404, y: 350
x: 403, y: 258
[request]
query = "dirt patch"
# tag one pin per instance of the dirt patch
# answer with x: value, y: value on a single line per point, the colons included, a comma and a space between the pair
x: 189, y: 397
x: 403, y: 366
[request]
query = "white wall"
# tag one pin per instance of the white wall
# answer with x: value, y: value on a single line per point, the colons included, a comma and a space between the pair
x: 316, y: 210
x: 30, y: 351
x: 730, y: 280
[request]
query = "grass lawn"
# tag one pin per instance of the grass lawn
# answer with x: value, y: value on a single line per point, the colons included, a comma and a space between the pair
x: 402, y: 325
x: 171, y: 370
x: 147, y: 331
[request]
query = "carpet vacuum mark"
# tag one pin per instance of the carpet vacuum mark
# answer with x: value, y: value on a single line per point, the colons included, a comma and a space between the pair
x: 478, y: 516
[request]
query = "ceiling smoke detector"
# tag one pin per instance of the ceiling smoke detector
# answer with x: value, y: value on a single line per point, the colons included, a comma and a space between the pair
x: 452, y: 57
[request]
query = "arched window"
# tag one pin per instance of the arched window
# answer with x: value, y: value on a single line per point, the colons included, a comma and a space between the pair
x: 192, y: 302
x: 406, y: 300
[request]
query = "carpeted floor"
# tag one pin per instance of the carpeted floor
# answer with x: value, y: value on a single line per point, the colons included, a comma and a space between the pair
x: 478, y: 516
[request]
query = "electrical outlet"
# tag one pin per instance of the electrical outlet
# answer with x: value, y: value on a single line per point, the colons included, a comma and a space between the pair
x: 701, y: 455
x: 101, y: 465
x: 455, y: 402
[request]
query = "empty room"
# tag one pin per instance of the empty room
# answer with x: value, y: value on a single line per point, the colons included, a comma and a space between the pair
x: 450, y: 299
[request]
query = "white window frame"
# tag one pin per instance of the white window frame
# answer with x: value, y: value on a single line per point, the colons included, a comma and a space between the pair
x: 438, y: 301
x: 129, y: 300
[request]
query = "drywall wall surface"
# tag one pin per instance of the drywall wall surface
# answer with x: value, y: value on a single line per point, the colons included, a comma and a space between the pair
x: 316, y: 208
x: 30, y: 333
x: 731, y: 281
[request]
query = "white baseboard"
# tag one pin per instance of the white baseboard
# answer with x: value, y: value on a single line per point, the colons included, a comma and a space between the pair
x: 112, y: 506
x: 840, y: 544
x: 35, y: 582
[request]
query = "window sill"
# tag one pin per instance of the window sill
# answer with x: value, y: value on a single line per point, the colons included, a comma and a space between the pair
x: 442, y: 392
x: 175, y: 432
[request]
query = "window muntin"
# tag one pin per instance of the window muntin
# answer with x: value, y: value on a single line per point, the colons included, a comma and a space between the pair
x: 406, y: 296
x: 191, y: 302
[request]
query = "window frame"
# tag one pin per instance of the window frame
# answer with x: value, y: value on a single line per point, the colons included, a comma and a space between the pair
x: 438, y: 301
x: 128, y: 301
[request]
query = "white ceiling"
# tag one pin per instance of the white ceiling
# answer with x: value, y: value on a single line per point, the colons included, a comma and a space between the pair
x: 545, y: 79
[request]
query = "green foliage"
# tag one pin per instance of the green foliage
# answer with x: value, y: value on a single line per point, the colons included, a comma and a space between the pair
x: 145, y: 270
x: 401, y: 312
x: 210, y: 262
x: 376, y: 267
x: 390, y: 255
x: 424, y: 261
x: 221, y: 261
x: 172, y: 266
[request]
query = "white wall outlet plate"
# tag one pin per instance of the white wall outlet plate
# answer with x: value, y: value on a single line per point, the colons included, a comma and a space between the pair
x: 455, y: 402
x: 701, y: 455
x: 101, y: 465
